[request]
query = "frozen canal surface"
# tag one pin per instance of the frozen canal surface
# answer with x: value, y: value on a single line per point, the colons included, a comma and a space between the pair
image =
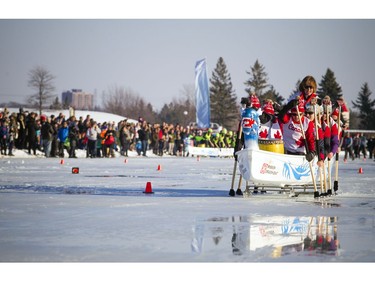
x: 101, y: 214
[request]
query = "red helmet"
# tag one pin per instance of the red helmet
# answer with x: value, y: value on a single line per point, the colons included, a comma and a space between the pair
x: 254, y: 102
x: 335, y: 112
x: 268, y: 108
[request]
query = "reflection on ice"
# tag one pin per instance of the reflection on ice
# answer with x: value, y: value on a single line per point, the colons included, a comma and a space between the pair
x: 271, y: 237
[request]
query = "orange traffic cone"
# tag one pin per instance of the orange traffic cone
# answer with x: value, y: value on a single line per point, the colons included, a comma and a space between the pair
x: 159, y: 167
x: 360, y: 171
x: 148, y: 189
x: 62, y: 161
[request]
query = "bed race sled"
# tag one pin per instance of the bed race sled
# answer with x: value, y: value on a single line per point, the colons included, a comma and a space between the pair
x: 265, y: 167
x: 264, y: 170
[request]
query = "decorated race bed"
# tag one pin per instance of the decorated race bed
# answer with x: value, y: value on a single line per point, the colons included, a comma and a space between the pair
x: 264, y: 166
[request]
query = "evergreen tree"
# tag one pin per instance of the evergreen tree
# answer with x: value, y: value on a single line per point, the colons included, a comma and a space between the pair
x: 295, y: 91
x: 257, y: 82
x: 272, y: 95
x: 223, y: 100
x: 56, y: 104
x: 328, y: 86
x: 366, y: 108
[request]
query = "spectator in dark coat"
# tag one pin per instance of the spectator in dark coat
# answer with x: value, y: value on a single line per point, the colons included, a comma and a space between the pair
x: 73, y: 140
x: 31, y: 128
x: 54, y: 145
x: 371, y: 146
x: 47, y: 135
x: 21, y: 125
x: 4, y: 135
x: 144, y: 136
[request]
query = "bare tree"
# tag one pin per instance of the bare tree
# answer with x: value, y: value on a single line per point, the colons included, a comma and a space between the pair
x: 41, y: 80
x: 126, y: 102
x: 187, y: 99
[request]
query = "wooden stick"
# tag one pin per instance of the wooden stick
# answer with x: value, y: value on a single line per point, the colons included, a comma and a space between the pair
x: 238, y: 141
x: 317, y: 149
x: 316, y: 193
x: 336, y: 182
x: 239, y: 184
x: 324, y: 168
x: 329, y: 192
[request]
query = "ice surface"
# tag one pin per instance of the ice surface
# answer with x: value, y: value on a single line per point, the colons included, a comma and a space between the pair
x: 101, y: 214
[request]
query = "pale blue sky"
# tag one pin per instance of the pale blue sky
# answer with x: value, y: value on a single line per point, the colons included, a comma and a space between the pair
x: 156, y: 58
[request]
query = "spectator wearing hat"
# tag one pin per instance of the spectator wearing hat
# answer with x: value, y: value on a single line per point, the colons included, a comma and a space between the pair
x: 269, y: 125
x: 345, y: 114
x: 292, y: 122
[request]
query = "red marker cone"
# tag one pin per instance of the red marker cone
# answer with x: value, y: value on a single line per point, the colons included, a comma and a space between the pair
x: 360, y: 171
x: 198, y: 158
x: 62, y: 161
x: 126, y: 160
x: 159, y: 167
x: 148, y: 189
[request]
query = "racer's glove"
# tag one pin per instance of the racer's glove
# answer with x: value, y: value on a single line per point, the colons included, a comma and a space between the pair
x: 293, y: 103
x: 310, y: 155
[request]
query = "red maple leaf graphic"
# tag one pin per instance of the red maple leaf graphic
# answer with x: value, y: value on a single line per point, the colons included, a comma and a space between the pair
x: 300, y: 142
x: 277, y: 135
x: 248, y: 122
x: 263, y: 134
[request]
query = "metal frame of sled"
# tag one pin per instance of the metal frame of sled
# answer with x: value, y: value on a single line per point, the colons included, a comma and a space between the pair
x: 288, y: 190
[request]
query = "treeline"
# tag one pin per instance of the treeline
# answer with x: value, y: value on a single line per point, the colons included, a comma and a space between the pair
x: 224, y: 101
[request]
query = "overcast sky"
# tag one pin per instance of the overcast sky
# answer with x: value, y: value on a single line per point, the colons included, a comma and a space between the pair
x: 155, y: 58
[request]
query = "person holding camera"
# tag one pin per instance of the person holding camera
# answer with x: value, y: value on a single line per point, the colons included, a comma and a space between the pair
x: 92, y: 137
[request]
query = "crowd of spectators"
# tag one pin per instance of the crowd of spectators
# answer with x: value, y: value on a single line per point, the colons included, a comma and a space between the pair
x: 60, y: 136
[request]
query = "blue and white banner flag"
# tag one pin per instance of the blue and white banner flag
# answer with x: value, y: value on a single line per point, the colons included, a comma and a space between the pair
x: 202, y: 95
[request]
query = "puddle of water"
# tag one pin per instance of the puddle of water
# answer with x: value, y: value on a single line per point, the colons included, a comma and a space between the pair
x: 269, y: 237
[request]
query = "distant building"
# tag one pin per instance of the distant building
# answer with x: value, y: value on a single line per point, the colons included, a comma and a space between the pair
x: 78, y: 99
